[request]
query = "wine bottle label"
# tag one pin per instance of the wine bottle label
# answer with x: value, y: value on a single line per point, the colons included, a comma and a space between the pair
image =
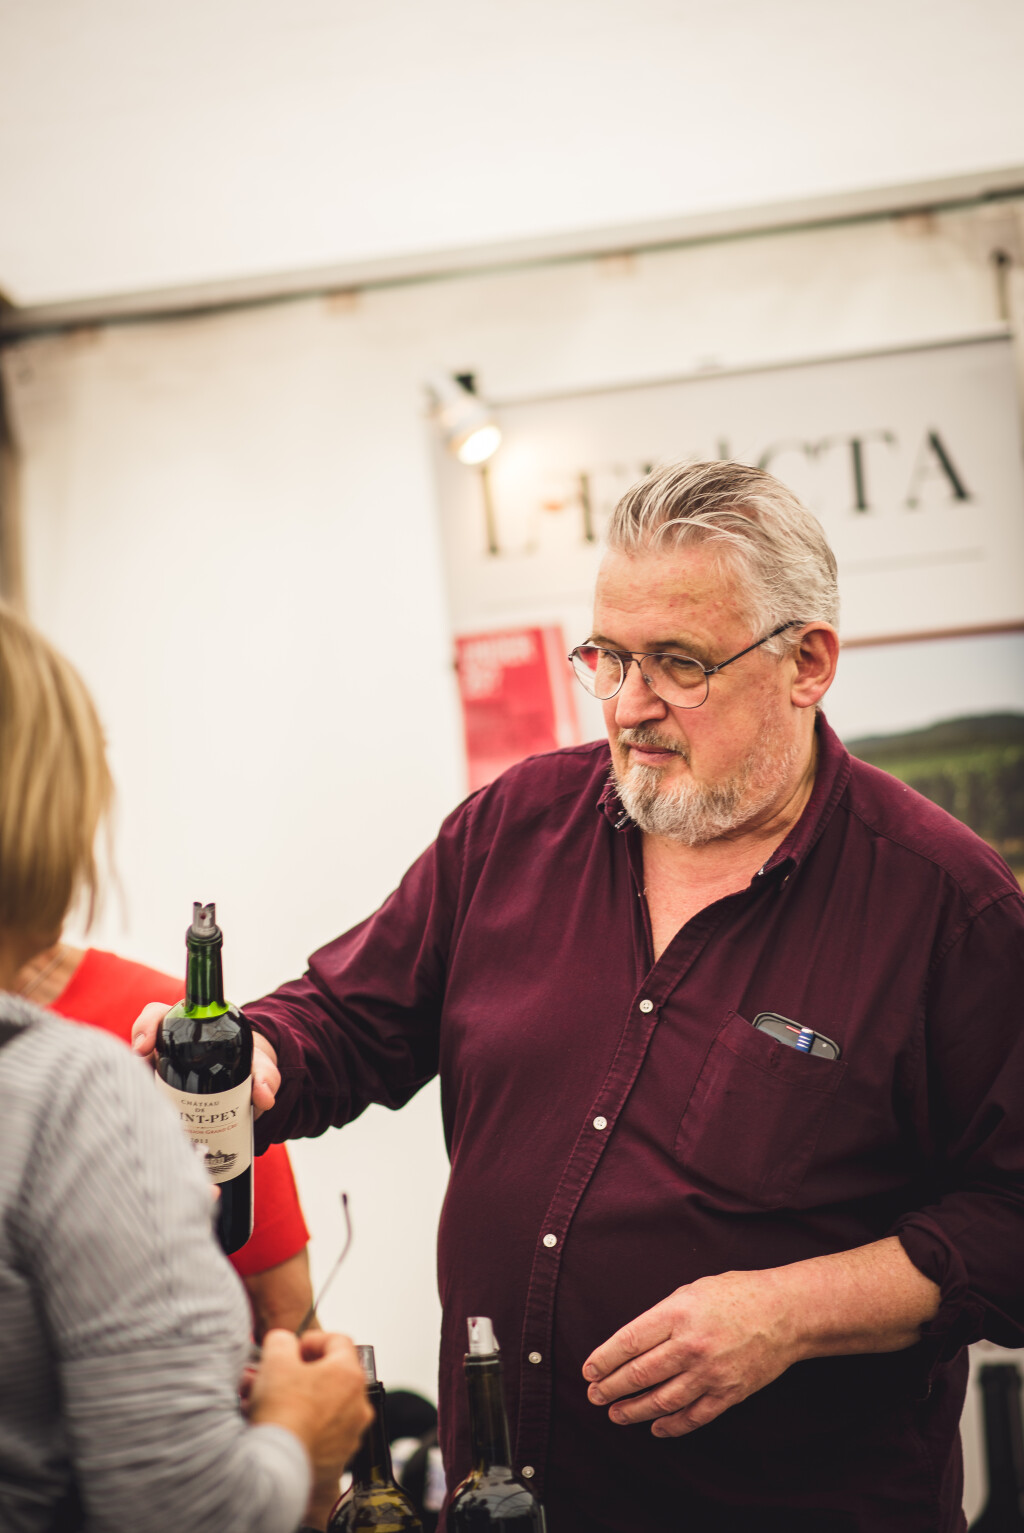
x: 223, y: 1123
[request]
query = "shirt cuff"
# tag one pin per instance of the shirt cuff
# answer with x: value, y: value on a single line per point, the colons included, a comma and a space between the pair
x: 959, y: 1319
x: 289, y: 1063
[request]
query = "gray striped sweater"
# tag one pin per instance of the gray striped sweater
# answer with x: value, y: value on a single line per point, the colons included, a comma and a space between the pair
x: 122, y: 1327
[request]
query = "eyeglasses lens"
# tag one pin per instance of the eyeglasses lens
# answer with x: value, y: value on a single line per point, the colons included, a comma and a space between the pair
x: 676, y: 679
x: 599, y: 670
x: 673, y: 678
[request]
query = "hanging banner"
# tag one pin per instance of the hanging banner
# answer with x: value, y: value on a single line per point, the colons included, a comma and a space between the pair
x: 911, y: 458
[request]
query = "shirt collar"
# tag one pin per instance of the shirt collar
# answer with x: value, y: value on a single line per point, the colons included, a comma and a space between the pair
x: 611, y: 806
x: 831, y: 775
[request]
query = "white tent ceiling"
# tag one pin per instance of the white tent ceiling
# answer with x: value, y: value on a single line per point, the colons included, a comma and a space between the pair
x: 145, y: 145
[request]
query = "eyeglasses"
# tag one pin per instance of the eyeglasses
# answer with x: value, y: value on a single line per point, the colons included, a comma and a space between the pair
x: 310, y: 1315
x: 676, y: 679
x: 256, y: 1351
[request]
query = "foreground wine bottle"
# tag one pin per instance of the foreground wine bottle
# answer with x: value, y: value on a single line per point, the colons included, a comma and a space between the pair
x: 374, y: 1499
x: 204, y: 1065
x: 1004, y: 1450
x: 490, y: 1496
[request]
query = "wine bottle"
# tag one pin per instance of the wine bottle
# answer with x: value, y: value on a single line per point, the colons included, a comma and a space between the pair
x: 490, y: 1496
x: 1004, y: 1450
x: 204, y: 1065
x: 374, y: 1499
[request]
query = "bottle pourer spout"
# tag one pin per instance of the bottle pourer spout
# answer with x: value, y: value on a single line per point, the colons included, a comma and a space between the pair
x: 482, y: 1340
x: 368, y: 1363
x: 204, y: 920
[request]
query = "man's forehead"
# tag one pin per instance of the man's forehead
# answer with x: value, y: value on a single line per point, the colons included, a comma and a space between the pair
x: 667, y: 588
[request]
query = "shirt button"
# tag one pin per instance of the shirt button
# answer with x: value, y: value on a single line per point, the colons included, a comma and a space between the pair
x: 646, y: 1006
x: 600, y: 1122
x: 550, y: 1240
x: 527, y: 1471
x: 535, y: 1357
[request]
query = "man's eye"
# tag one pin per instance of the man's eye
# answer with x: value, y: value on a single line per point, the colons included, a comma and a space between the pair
x: 683, y: 672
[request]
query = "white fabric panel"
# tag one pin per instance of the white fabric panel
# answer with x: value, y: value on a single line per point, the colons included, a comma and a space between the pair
x: 146, y: 145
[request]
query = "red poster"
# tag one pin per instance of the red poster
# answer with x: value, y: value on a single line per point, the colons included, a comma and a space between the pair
x: 516, y: 690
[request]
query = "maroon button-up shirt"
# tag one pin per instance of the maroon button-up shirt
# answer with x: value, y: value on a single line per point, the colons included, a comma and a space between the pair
x: 617, y: 1127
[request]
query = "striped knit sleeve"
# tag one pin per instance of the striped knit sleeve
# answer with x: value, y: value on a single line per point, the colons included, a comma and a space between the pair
x: 149, y: 1323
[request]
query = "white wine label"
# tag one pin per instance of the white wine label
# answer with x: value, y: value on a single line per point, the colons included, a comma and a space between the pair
x: 223, y: 1123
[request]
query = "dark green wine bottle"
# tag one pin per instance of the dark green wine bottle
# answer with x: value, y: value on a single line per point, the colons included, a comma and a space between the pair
x: 204, y: 1065
x: 490, y: 1496
x: 374, y: 1499
x: 1004, y: 1450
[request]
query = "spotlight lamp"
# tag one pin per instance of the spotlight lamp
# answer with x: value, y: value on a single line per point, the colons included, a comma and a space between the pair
x: 464, y: 420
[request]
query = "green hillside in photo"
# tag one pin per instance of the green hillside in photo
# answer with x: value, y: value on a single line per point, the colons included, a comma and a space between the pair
x: 972, y: 767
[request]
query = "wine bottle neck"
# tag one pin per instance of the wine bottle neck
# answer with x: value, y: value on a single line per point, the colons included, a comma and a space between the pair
x: 204, y: 979
x: 372, y: 1463
x: 488, y: 1421
x: 1004, y: 1442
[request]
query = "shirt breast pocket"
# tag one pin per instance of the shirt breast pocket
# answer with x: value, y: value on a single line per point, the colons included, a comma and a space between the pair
x: 751, y: 1125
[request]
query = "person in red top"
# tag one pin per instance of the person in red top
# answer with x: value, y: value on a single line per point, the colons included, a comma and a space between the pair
x: 108, y: 992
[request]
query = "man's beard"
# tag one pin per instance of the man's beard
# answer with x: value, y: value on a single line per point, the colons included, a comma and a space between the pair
x: 695, y: 812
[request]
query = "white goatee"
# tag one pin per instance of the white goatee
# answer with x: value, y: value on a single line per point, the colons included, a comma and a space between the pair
x: 695, y: 813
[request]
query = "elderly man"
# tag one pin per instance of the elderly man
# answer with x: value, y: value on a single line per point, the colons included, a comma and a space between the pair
x: 728, y: 1031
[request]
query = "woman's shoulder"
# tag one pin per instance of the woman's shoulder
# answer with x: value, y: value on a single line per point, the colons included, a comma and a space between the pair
x: 60, y: 1073
x: 39, y: 1034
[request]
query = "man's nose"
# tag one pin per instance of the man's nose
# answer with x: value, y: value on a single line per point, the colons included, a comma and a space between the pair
x: 635, y: 702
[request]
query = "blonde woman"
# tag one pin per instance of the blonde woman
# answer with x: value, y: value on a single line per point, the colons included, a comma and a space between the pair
x: 123, y: 1331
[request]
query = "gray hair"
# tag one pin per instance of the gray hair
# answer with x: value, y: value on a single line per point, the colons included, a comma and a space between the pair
x: 776, y: 546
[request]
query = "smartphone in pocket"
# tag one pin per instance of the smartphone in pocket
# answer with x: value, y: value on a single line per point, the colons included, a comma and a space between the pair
x: 805, y: 1039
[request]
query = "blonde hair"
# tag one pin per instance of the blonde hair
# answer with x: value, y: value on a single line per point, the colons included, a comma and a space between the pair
x: 55, y: 785
x: 777, y: 546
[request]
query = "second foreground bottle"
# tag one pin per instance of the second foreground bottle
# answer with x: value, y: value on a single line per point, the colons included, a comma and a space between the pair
x: 374, y: 1499
x: 490, y: 1496
x: 1004, y: 1450
x: 204, y: 1064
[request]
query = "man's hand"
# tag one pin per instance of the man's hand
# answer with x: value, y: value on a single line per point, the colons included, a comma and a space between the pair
x: 714, y: 1342
x: 704, y: 1348
x: 313, y: 1385
x: 266, y: 1077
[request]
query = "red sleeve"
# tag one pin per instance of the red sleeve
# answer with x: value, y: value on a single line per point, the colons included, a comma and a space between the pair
x: 108, y: 992
x: 278, y: 1228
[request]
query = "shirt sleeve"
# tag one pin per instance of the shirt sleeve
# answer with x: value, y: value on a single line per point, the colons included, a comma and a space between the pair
x: 148, y: 1323
x: 362, y: 1025
x: 970, y: 1238
x: 278, y: 1227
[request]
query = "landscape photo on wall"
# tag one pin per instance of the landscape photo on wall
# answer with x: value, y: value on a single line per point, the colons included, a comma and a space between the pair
x: 972, y: 766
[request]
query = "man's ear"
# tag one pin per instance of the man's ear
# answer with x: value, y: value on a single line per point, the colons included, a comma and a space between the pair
x: 815, y: 655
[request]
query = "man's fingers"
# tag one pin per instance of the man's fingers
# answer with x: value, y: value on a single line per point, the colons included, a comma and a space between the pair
x: 317, y: 1344
x: 647, y: 1331
x: 279, y: 1345
x: 644, y: 1372
x: 266, y: 1077
x: 697, y: 1414
x: 314, y: 1345
x: 673, y: 1395
x: 678, y: 1406
x: 145, y: 1025
x: 702, y: 1410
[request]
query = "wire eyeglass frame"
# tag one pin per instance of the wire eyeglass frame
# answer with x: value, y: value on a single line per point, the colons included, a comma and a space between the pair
x: 584, y: 675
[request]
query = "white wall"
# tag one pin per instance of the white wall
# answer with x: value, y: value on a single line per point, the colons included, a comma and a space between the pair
x: 144, y: 144
x: 230, y: 520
